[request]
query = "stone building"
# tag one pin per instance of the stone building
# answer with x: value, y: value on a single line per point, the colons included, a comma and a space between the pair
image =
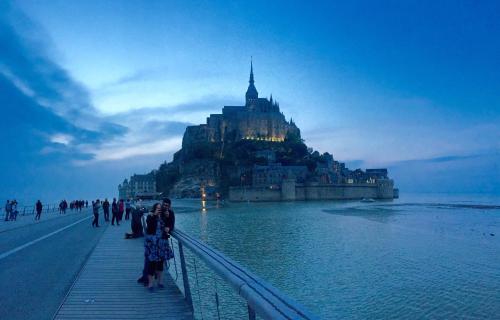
x: 258, y: 119
x: 273, y: 174
x: 139, y: 185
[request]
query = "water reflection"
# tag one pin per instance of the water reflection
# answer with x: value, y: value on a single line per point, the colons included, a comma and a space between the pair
x: 336, y: 258
x: 204, y: 225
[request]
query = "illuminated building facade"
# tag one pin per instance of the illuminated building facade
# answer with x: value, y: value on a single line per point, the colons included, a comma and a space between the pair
x: 259, y: 119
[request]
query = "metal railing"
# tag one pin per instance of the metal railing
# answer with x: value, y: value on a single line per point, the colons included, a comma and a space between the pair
x: 30, y: 210
x: 262, y: 299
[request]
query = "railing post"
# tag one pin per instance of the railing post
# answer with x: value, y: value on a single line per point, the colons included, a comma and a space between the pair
x: 251, y: 313
x: 185, y: 279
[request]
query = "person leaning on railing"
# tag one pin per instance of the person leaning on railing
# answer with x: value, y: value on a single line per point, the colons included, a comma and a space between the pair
x: 169, y: 216
x: 144, y: 278
x: 154, y: 246
x: 168, y: 223
x: 161, y: 224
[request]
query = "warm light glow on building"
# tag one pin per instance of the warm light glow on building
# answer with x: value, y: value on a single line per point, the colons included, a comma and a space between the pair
x: 271, y: 139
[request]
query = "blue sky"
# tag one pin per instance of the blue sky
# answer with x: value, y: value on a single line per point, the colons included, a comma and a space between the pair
x: 94, y: 91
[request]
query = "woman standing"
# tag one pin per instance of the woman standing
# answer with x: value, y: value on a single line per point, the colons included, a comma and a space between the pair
x: 120, y: 210
x: 154, y: 245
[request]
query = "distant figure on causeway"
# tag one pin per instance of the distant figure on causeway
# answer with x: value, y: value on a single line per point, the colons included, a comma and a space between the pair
x: 8, y: 210
x: 13, y: 210
x: 121, y: 209
x: 128, y: 208
x: 105, y: 209
x: 114, y: 212
x: 39, y: 208
x: 95, y: 208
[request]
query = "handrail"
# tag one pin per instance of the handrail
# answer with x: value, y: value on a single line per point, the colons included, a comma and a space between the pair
x: 25, y: 210
x: 267, y: 301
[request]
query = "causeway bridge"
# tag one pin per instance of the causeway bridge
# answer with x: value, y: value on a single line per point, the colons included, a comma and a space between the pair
x: 61, y: 268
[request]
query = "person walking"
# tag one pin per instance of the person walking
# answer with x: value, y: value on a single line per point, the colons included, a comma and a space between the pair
x: 8, y: 210
x: 95, y: 208
x: 121, y: 209
x: 64, y: 206
x: 114, y: 212
x: 38, y: 207
x: 128, y: 208
x: 13, y: 210
x: 105, y: 208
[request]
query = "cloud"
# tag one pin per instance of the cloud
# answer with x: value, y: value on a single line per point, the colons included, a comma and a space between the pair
x: 204, y: 105
x: 149, y: 74
x: 442, y: 159
x: 25, y: 63
x: 382, y: 144
x: 473, y: 173
x: 119, y: 152
x: 61, y: 138
x: 48, y: 119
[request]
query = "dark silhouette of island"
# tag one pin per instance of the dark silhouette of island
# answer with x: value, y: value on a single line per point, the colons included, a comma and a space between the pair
x: 253, y: 153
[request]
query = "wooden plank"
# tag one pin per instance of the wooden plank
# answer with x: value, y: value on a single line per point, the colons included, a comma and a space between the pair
x: 106, y: 288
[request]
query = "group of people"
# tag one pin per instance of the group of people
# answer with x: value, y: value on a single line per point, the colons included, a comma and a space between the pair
x: 11, y: 210
x: 118, y: 208
x: 78, y: 205
x: 74, y: 205
x: 157, y: 226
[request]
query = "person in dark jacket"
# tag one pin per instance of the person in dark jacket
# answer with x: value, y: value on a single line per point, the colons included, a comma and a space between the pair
x: 8, y: 209
x: 128, y: 209
x: 121, y: 210
x: 105, y: 208
x: 169, y: 215
x: 95, y: 208
x: 136, y: 222
x: 114, y: 212
x: 39, y: 208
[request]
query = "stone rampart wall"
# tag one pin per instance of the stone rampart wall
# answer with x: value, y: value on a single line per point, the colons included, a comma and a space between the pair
x: 313, y: 192
x: 254, y: 194
x: 343, y: 192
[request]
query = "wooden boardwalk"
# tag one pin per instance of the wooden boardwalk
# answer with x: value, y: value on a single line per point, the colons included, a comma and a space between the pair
x: 106, y: 288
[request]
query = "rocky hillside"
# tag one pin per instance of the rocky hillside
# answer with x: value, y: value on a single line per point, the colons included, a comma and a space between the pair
x: 219, y: 165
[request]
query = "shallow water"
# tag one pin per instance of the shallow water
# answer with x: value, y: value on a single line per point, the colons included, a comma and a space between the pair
x: 421, y: 256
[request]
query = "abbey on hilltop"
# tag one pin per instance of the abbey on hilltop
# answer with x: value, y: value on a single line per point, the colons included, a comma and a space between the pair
x: 259, y: 119
x: 252, y: 153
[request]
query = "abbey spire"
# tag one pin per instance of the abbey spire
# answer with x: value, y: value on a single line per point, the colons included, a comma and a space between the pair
x: 252, y: 93
x: 251, y: 72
